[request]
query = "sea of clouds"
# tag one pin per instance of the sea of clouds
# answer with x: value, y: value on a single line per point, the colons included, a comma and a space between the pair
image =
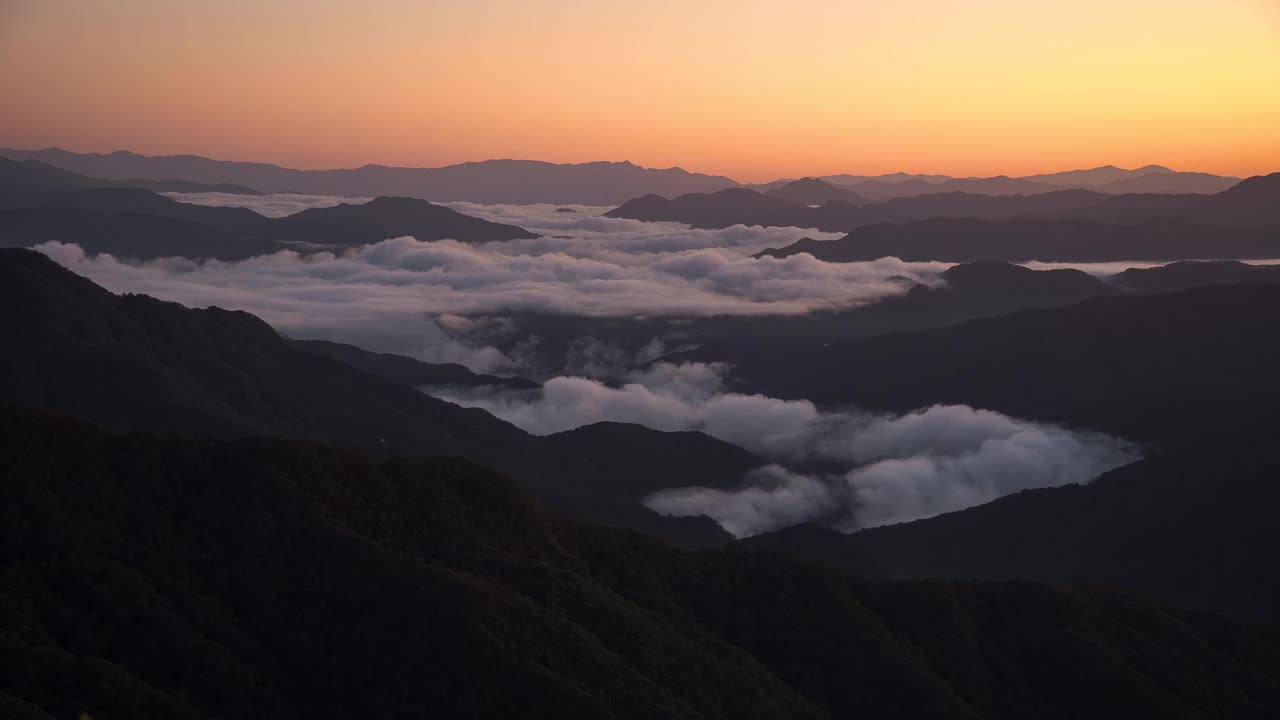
x: 439, y: 300
x: 878, y: 469
x: 414, y: 298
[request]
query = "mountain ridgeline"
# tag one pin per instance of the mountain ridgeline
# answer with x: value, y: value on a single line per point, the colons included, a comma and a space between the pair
x: 491, y: 181
x: 592, y: 183
x: 139, y: 224
x: 1078, y: 225
x: 135, y: 363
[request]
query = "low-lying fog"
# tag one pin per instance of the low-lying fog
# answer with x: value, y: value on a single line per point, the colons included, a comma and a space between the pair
x: 844, y: 468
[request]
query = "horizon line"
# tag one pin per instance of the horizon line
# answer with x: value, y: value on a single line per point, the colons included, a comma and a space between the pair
x: 595, y: 162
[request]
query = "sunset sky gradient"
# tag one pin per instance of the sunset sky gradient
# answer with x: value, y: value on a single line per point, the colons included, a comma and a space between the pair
x: 751, y: 89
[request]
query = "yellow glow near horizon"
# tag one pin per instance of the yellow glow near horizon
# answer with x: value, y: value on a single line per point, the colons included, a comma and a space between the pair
x: 751, y: 89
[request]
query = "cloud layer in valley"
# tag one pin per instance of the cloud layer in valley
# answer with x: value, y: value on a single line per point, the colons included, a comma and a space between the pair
x: 875, y: 469
x: 447, y: 301
x: 273, y: 205
x: 390, y: 296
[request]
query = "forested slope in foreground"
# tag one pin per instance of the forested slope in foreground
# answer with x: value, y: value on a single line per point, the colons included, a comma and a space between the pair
x: 148, y: 576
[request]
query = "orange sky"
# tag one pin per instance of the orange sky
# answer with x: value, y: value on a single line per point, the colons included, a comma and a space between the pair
x: 755, y: 90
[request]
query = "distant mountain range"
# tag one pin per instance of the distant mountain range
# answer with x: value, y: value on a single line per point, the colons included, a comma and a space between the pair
x: 490, y: 181
x: 812, y: 203
x: 1107, y: 179
x: 33, y: 175
x: 40, y: 203
x: 1242, y: 222
x: 593, y: 183
x: 1250, y: 204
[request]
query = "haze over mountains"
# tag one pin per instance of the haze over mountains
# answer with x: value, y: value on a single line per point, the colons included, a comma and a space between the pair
x: 490, y: 181
x: 1244, y: 204
x: 38, y: 204
x: 1106, y: 179
x: 596, y: 183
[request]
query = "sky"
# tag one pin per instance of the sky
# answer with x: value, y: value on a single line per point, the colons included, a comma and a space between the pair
x: 751, y: 89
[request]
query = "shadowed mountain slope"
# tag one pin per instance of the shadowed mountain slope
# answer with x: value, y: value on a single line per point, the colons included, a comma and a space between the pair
x: 1045, y: 364
x: 1193, y: 527
x: 133, y: 362
x: 33, y: 175
x: 409, y: 371
x: 971, y: 240
x: 125, y: 234
x: 199, y: 579
x: 812, y: 191
x: 387, y: 217
x: 140, y: 224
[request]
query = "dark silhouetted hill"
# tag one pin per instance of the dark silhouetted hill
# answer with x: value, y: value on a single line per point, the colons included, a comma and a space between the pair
x: 838, y: 216
x: 1096, y: 176
x: 969, y: 240
x: 35, y: 176
x: 1248, y: 204
x: 1054, y: 364
x: 124, y: 234
x: 1147, y: 179
x: 114, y: 201
x: 409, y: 371
x: 133, y: 362
x: 713, y: 210
x: 975, y: 290
x: 812, y: 191
x: 664, y: 460
x: 163, y: 577
x: 1171, y: 183
x: 1251, y: 203
x: 1193, y: 527
x: 1179, y: 276
x: 881, y: 190
x: 144, y: 225
x: 383, y: 218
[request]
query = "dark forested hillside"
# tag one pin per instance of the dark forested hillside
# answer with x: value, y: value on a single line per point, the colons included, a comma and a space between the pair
x: 386, y: 217
x: 163, y: 577
x: 1193, y: 527
x: 1053, y: 364
x: 42, y: 204
x: 124, y: 235
x: 1079, y: 241
x: 409, y: 371
x: 645, y: 460
x: 134, y: 362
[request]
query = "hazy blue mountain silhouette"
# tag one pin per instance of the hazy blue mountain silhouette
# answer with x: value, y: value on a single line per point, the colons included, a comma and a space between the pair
x: 491, y: 181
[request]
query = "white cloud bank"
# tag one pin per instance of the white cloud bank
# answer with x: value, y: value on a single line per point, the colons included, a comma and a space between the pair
x: 427, y: 299
x: 273, y: 205
x: 895, y: 468
x: 389, y: 296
